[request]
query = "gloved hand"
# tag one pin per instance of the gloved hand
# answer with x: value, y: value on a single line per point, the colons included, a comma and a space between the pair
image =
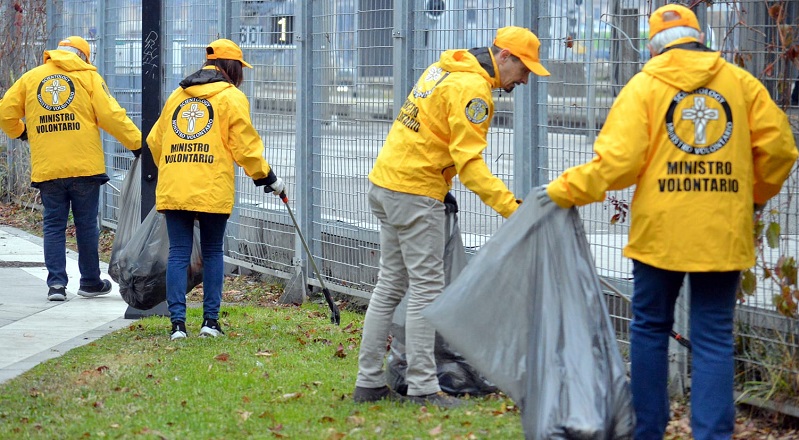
x: 543, y: 198
x: 137, y: 153
x: 277, y: 187
x: 450, y: 204
x: 24, y: 135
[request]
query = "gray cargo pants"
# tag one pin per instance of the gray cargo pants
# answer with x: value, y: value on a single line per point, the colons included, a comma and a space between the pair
x: 412, y: 251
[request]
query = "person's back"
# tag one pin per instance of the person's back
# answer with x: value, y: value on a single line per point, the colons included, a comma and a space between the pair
x: 64, y: 117
x: 704, y: 144
x: 705, y: 121
x: 65, y: 103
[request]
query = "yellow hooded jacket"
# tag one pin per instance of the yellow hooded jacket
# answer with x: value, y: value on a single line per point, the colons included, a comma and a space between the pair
x: 65, y: 103
x: 702, y: 141
x: 203, y: 129
x: 441, y: 131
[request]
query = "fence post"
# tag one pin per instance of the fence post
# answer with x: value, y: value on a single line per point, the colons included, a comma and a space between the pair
x: 151, y: 85
x: 151, y: 88
x: 529, y: 132
x: 303, y: 167
x: 403, y: 53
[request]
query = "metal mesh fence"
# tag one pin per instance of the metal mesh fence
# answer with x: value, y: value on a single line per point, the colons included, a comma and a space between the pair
x: 327, y: 80
x: 119, y: 62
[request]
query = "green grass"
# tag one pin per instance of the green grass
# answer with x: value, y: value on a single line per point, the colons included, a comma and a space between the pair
x: 281, y: 372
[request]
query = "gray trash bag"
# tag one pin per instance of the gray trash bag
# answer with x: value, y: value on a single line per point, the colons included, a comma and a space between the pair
x: 141, y: 249
x: 129, y: 217
x: 455, y: 375
x: 528, y: 312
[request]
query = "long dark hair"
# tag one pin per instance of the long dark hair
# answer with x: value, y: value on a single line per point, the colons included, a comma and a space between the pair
x: 232, y: 69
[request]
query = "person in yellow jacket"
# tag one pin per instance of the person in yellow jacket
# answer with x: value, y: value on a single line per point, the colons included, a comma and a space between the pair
x: 439, y: 133
x: 704, y: 143
x: 204, y: 128
x: 65, y: 103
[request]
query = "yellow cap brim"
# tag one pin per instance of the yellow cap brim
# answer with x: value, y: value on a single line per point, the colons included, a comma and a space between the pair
x: 246, y: 64
x: 536, y: 67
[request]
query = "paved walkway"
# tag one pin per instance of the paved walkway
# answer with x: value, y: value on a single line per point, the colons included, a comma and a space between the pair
x: 33, y: 329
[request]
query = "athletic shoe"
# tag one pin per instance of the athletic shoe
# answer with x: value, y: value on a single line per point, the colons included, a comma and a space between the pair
x: 101, y: 289
x: 178, y: 330
x: 211, y: 328
x: 57, y: 293
x: 371, y: 395
x: 439, y: 399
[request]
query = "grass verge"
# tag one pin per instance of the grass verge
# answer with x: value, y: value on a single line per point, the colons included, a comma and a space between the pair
x: 281, y: 372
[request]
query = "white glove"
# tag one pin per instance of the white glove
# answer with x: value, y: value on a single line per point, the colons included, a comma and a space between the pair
x: 542, y: 196
x: 277, y: 187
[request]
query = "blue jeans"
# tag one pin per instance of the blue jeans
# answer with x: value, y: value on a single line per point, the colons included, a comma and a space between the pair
x: 82, y: 194
x: 180, y: 227
x: 712, y: 309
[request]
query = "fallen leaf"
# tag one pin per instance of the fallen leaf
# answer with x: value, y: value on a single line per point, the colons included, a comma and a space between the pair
x: 222, y: 357
x: 435, y: 431
x: 340, y: 351
x: 244, y: 415
x: 356, y: 420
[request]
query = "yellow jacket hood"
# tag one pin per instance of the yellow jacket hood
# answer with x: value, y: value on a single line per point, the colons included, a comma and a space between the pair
x: 67, y: 60
x: 210, y: 78
x: 692, y: 70
x: 461, y: 60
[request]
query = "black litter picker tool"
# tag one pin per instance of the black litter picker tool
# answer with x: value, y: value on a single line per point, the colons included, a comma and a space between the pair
x: 335, y: 318
x: 677, y: 337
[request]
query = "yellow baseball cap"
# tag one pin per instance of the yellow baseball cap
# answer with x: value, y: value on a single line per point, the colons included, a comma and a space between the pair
x: 224, y: 49
x: 78, y: 43
x: 523, y: 44
x: 685, y: 17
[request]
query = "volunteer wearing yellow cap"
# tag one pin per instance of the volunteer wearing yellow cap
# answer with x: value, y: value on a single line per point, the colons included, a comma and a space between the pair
x: 439, y: 133
x: 65, y: 103
x: 203, y: 130
x: 704, y: 143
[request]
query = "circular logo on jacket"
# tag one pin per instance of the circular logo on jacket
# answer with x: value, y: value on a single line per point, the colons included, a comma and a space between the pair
x: 699, y: 122
x: 56, y: 92
x: 477, y: 110
x: 192, y: 118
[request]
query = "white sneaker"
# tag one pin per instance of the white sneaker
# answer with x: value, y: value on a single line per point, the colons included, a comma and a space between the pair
x: 178, y: 331
x: 211, y: 328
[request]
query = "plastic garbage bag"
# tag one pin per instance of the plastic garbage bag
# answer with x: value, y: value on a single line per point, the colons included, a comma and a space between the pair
x: 129, y: 217
x: 140, y: 251
x: 455, y: 375
x: 528, y: 313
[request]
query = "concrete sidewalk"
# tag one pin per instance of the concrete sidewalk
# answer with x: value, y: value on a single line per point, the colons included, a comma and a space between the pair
x: 33, y: 329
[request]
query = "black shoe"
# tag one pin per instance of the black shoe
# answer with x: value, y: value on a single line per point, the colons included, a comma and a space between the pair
x: 369, y: 395
x: 178, y: 330
x: 100, y: 289
x: 57, y: 293
x: 211, y: 328
x: 439, y: 399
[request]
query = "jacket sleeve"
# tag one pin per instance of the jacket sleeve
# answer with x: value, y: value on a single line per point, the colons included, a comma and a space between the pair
x: 244, y: 142
x: 773, y: 146
x: 620, y: 154
x: 111, y: 117
x: 469, y: 128
x: 12, y: 110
